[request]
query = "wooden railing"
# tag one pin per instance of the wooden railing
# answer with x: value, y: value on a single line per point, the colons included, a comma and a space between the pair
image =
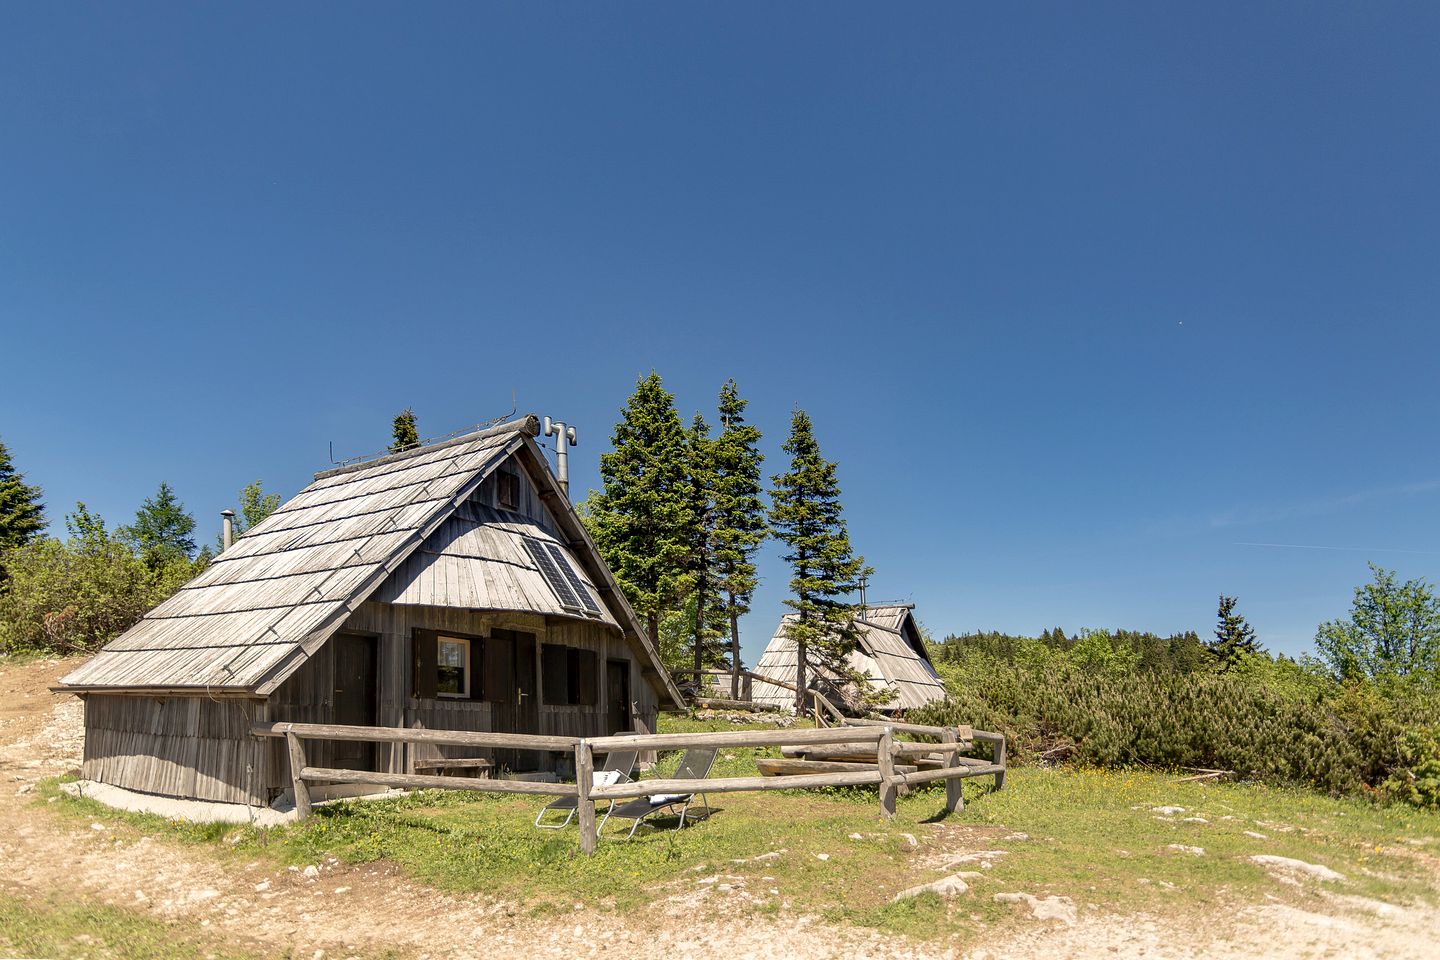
x: 878, y: 735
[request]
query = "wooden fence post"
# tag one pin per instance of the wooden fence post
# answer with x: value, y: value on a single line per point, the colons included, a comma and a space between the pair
x: 954, y: 797
x: 297, y: 764
x: 997, y: 756
x: 584, y: 781
x: 886, y: 761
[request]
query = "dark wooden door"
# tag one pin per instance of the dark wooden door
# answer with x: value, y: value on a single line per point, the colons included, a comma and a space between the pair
x: 510, y: 688
x: 617, y: 695
x: 355, y: 698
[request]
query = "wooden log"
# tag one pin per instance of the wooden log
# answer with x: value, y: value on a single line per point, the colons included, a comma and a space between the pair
x: 928, y: 750
x: 584, y: 781
x: 886, y: 761
x: 959, y: 773
x: 723, y: 703
x: 459, y: 738
x: 999, y: 757
x: 964, y: 731
x: 296, y: 750
x: 954, y: 797
x: 419, y: 782
x: 739, y: 738
x: 772, y: 767
x: 649, y: 788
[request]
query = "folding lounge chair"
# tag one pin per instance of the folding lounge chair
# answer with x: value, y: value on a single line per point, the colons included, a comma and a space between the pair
x: 615, y: 769
x: 695, y: 765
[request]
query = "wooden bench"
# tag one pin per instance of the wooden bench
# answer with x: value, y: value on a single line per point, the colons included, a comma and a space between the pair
x: 464, y: 766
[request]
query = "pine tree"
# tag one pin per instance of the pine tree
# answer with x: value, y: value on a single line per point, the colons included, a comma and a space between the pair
x: 405, y: 434
x: 22, y: 514
x: 702, y: 582
x: 740, y: 525
x: 641, y: 520
x: 1234, y: 638
x: 807, y: 517
x: 162, y: 530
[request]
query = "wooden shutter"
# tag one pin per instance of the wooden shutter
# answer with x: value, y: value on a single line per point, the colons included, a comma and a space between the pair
x: 499, y: 674
x: 477, y: 668
x: 555, y: 667
x: 424, y: 681
x: 587, y: 678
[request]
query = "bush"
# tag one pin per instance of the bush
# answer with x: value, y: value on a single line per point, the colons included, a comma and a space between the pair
x: 1272, y: 720
x: 1416, y: 778
x: 73, y: 596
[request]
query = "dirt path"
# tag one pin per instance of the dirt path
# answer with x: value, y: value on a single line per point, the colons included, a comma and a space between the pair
x: 361, y: 910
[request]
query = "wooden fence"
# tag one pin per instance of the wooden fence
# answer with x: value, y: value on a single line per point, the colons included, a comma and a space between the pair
x: 878, y: 735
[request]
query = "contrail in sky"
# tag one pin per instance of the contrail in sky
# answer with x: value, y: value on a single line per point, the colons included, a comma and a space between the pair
x: 1312, y: 546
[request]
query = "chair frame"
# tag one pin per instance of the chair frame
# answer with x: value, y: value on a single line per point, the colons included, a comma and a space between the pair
x: 572, y: 810
x: 683, y: 802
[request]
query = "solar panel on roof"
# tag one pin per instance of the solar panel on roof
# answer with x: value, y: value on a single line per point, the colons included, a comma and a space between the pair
x: 581, y: 590
x: 551, y: 572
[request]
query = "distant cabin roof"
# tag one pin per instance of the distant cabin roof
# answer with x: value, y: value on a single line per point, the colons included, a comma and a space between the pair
x: 889, y: 652
x: 400, y: 529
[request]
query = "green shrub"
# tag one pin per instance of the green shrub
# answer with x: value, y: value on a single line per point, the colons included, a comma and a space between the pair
x: 1415, y: 779
x: 1276, y: 721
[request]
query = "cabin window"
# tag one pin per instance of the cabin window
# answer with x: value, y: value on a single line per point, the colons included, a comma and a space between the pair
x: 570, y: 676
x: 452, y: 667
x: 507, y: 490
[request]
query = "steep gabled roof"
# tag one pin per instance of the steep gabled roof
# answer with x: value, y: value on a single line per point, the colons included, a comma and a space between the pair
x: 888, y: 651
x: 261, y: 608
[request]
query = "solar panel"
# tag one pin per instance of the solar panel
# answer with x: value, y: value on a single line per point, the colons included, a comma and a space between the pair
x: 551, y: 572
x: 581, y: 590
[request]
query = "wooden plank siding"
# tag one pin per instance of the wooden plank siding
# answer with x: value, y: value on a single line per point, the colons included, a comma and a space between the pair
x: 182, y: 746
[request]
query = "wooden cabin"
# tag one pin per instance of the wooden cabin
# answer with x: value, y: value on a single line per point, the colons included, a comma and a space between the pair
x: 448, y: 587
x: 889, y: 653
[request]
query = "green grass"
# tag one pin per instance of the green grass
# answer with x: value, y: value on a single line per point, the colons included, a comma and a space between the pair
x: 32, y: 927
x: 1093, y: 837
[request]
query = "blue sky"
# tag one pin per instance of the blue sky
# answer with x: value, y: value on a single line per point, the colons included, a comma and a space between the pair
x: 1087, y: 300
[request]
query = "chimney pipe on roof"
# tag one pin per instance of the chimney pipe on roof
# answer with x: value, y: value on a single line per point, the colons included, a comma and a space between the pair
x: 564, y: 435
x: 863, y: 610
x: 227, y: 529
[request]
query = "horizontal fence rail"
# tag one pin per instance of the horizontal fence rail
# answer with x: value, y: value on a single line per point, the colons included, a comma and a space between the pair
x: 862, y: 738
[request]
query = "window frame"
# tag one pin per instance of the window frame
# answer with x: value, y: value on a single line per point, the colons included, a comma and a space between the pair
x: 465, y: 668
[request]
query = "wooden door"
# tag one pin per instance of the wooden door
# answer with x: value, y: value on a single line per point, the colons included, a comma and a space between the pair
x: 617, y: 695
x: 353, y: 659
x: 510, y: 688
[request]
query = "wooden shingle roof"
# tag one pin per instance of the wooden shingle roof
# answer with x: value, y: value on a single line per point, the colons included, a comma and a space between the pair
x: 265, y: 605
x: 888, y: 652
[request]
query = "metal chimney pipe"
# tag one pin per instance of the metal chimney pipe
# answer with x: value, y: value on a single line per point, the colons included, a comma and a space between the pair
x: 565, y: 436
x: 227, y: 529
x: 863, y: 609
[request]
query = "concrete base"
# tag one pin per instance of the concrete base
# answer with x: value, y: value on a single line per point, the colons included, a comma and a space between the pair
x: 206, y: 811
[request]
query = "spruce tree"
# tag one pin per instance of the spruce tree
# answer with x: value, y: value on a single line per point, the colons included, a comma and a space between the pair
x: 642, y: 519
x: 1234, y: 638
x: 162, y: 530
x: 22, y: 514
x: 807, y: 516
x: 739, y: 521
x: 404, y: 433
x: 702, y: 582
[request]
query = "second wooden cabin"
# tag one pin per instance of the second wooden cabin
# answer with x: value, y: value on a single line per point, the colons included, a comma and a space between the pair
x: 449, y: 587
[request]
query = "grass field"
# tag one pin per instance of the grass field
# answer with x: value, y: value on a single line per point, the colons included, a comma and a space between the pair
x: 1094, y: 837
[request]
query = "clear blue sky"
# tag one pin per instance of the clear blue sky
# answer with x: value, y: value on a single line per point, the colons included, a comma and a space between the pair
x: 1087, y: 300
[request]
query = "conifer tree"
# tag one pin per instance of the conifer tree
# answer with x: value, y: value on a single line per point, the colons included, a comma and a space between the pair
x: 807, y: 516
x: 739, y: 522
x: 162, y: 530
x: 22, y: 514
x: 702, y: 582
x: 1234, y: 638
x: 404, y: 432
x: 642, y: 520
